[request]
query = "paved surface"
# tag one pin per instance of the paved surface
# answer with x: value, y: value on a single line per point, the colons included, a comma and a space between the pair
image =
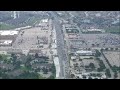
x: 60, y: 46
x: 113, y: 57
x: 107, y: 66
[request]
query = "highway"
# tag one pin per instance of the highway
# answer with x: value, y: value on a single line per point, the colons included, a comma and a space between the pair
x: 60, y: 46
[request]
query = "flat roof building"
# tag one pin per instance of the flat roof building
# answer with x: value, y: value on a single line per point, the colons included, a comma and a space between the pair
x: 7, y: 37
x: 5, y: 42
x: 85, y: 52
x: 8, y: 32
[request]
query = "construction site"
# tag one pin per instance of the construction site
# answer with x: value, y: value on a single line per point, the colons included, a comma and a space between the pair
x: 28, y: 39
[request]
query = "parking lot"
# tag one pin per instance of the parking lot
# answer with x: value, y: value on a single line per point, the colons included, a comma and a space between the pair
x: 113, y: 57
x: 95, y: 40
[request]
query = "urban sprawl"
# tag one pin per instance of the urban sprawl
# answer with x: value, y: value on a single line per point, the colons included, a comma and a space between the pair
x: 59, y: 45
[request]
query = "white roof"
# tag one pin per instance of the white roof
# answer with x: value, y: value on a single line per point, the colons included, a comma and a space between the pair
x: 7, y: 42
x: 23, y: 28
x: 82, y: 51
x: 94, y: 29
x: 73, y: 57
x: 8, y: 32
x: 44, y: 20
x: 54, y: 45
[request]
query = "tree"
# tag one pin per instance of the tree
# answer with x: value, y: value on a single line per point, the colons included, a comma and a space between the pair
x: 93, y: 45
x: 14, y: 57
x: 115, y: 75
x: 0, y: 26
x: 17, y: 64
x: 2, y: 74
x: 111, y: 49
x: 44, y: 57
x: 119, y: 69
x: 114, y: 68
x: 99, y: 70
x: 51, y: 77
x: 29, y: 58
x: 97, y: 45
x: 89, y: 77
x: 72, y: 75
x: 93, y: 74
x: 99, y: 75
x: 97, y: 58
x: 106, y: 49
x: 45, y: 71
x: 97, y: 53
x: 88, y: 48
x: 84, y: 77
x: 101, y: 50
x: 36, y: 55
x: 108, y: 73
x: 41, y: 77
x: 53, y: 69
x: 116, y: 48
x: 102, y: 66
x: 92, y: 66
x: 1, y: 57
x: 5, y: 76
x: 83, y: 41
x: 91, y: 57
x: 28, y: 75
x: 80, y: 59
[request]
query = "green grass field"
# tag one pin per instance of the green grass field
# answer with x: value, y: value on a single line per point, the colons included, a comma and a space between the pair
x: 30, y: 21
x: 115, y: 30
x: 6, y: 26
x: 5, y: 58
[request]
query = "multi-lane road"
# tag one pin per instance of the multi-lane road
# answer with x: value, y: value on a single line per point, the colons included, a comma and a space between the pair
x: 64, y: 65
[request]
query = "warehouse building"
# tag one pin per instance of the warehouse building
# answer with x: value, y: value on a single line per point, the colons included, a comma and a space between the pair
x: 5, y: 42
x: 7, y: 37
x: 85, y: 52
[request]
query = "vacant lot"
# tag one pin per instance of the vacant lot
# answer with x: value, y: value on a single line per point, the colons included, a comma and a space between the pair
x: 113, y: 57
x: 29, y: 39
x: 115, y: 30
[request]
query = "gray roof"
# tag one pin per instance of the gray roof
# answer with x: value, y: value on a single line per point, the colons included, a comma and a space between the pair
x: 35, y: 51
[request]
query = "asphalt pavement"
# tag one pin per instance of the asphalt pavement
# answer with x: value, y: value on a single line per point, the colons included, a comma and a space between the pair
x: 60, y: 46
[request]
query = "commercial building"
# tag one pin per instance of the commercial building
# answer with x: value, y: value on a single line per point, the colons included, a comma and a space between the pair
x: 85, y: 52
x: 5, y: 42
x: 8, y: 32
x: 7, y: 37
x: 15, y: 51
x: 93, y: 30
